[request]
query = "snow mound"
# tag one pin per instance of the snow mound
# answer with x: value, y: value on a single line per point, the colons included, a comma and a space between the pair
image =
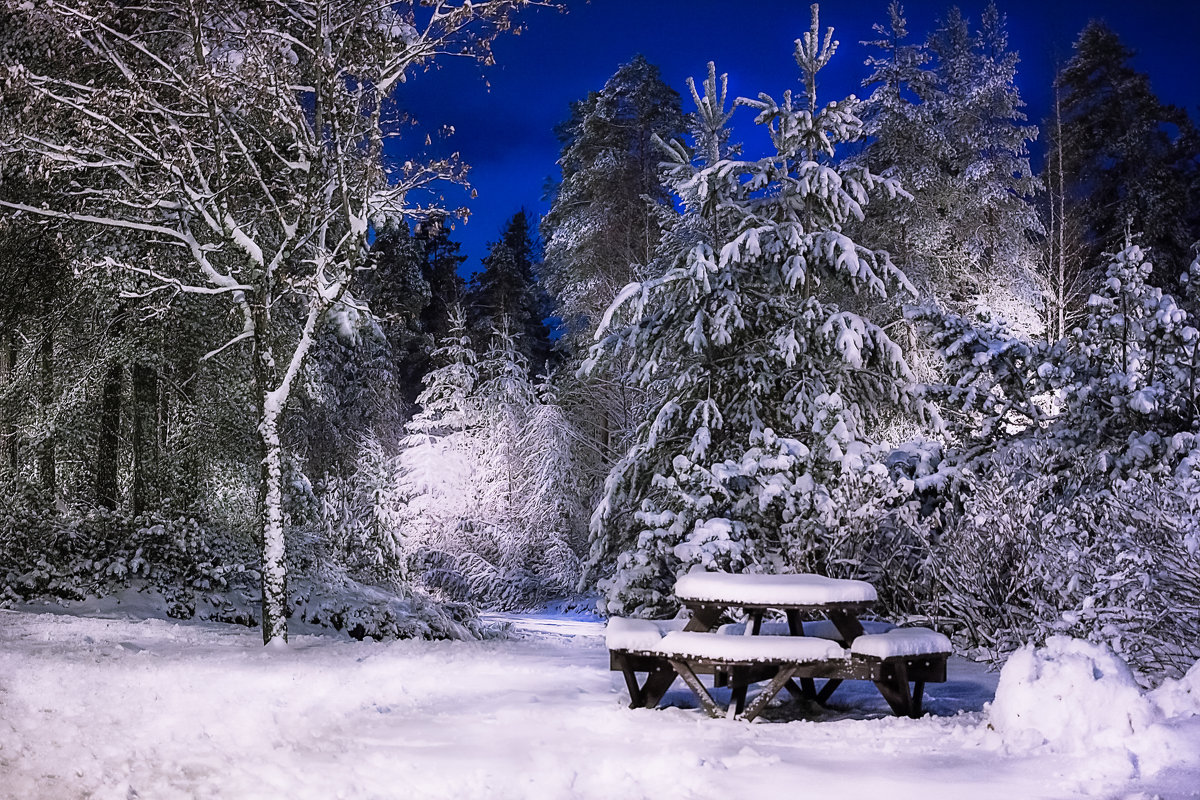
x: 1179, y: 698
x: 1075, y: 697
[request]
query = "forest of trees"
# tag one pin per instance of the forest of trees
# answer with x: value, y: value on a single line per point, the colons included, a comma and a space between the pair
x: 922, y: 340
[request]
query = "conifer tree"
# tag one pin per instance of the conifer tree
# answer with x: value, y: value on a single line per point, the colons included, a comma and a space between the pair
x: 1128, y: 158
x: 601, y: 229
x: 749, y: 460
x: 507, y: 293
x: 945, y: 118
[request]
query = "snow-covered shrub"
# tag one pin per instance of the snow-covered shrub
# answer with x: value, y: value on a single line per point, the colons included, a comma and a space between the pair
x: 1040, y: 548
x: 1069, y: 501
x: 353, y: 570
x: 47, y: 556
x: 330, y: 600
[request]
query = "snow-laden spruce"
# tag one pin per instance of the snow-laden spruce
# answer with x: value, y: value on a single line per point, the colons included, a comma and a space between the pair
x: 760, y: 451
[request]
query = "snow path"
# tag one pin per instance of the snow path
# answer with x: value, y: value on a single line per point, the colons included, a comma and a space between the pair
x: 118, y: 708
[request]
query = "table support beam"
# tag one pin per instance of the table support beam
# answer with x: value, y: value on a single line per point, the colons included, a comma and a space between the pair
x: 689, y: 677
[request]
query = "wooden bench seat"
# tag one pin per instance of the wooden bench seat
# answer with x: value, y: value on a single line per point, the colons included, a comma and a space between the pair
x: 889, y: 657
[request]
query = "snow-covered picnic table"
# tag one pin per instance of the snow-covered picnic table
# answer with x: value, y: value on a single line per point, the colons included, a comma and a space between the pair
x: 837, y: 648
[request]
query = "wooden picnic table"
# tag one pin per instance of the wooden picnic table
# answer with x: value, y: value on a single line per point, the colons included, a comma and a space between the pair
x: 890, y: 658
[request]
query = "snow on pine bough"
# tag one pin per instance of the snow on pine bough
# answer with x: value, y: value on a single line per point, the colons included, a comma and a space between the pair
x: 899, y: 661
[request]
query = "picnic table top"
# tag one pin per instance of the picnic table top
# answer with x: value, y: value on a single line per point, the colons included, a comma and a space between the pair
x: 771, y: 591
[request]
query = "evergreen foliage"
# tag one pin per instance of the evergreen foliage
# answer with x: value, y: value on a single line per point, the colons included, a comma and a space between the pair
x: 945, y: 119
x: 1070, y: 494
x: 507, y: 291
x: 771, y: 388
x: 1131, y: 162
x: 602, y: 229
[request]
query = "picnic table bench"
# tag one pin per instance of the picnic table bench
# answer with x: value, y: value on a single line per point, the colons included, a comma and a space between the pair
x: 837, y: 648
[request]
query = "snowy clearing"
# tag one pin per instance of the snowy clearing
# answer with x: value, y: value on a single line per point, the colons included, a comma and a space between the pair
x: 123, y: 708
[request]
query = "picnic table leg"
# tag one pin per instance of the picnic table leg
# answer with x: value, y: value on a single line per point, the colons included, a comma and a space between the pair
x: 847, y: 624
x: 657, y: 683
x: 807, y: 689
x: 704, y: 619
x: 770, y: 690
x: 895, y: 690
x: 827, y: 689
x: 689, y: 677
x: 635, y: 691
x: 738, y: 682
x: 918, y: 696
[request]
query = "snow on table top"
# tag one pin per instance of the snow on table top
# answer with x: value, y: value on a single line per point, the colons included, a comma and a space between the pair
x: 901, y: 642
x: 771, y: 590
x: 622, y: 633
x: 690, y: 644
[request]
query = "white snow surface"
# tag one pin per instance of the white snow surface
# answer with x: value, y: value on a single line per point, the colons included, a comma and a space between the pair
x: 121, y: 708
x: 901, y: 642
x: 769, y: 590
x: 749, y: 648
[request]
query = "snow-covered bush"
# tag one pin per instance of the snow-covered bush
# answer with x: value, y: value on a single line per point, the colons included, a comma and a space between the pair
x: 330, y: 592
x: 44, y: 555
x: 1069, y: 501
x: 1040, y: 547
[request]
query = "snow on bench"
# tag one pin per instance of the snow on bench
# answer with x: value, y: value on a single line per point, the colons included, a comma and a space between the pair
x: 901, y: 643
x: 771, y: 590
x: 622, y: 633
x: 820, y: 629
x: 748, y: 649
x: 667, y: 638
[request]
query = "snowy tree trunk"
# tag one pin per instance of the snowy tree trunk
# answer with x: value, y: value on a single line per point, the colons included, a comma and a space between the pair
x: 274, y: 554
x: 273, y: 392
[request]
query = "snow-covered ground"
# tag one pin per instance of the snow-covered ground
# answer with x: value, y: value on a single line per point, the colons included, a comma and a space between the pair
x: 125, y: 708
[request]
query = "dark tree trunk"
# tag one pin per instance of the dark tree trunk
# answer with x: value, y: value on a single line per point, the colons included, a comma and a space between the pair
x: 46, y: 461
x: 108, y: 451
x: 145, y: 434
x: 8, y: 427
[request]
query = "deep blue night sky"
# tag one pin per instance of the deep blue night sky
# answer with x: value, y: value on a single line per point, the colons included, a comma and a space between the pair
x: 505, y: 131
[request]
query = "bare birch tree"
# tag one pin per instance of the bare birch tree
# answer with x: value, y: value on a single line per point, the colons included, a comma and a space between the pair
x: 247, y: 136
